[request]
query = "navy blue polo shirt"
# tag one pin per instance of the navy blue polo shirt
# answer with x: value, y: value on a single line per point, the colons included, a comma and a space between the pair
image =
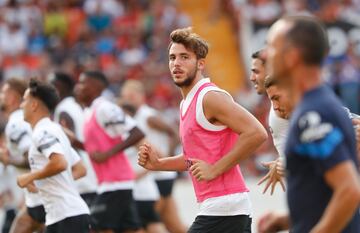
x: 320, y: 136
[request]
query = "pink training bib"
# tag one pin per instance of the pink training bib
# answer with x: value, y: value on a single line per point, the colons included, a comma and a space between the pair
x: 209, y: 146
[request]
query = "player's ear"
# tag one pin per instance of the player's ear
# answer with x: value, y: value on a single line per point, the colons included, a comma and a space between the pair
x: 293, y: 56
x: 35, y: 105
x: 201, y: 64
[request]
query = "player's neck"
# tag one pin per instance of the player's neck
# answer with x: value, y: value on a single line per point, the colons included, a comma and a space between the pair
x: 186, y: 89
x: 139, y: 105
x: 302, y: 85
x: 63, y: 96
x: 38, y: 117
x: 91, y: 100
x: 8, y: 112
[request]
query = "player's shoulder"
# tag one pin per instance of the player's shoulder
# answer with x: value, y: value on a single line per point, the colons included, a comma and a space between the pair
x: 214, y: 95
x: 68, y: 104
x: 46, y: 127
x: 106, y: 106
x: 323, y: 101
x: 108, y: 111
x: 46, y: 138
x: 322, y: 111
x: 313, y: 126
x: 16, y: 122
x: 17, y: 125
x: 317, y: 135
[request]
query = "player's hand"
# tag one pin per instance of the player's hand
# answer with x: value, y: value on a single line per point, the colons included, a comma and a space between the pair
x: 148, y: 157
x: 274, y: 175
x: 70, y: 134
x: 201, y: 170
x: 99, y: 157
x: 4, y: 156
x: 356, y: 123
x: 272, y: 223
x: 24, y: 180
x: 32, y: 188
x: 317, y: 229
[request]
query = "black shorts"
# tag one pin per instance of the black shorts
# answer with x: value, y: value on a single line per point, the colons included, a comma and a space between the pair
x: 223, y: 224
x: 115, y: 210
x: 147, y: 212
x: 10, y: 215
x: 165, y: 187
x: 75, y: 224
x: 37, y: 213
x: 88, y: 198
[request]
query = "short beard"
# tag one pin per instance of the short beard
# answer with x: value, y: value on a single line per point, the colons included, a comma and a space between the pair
x: 189, y: 80
x: 2, y: 107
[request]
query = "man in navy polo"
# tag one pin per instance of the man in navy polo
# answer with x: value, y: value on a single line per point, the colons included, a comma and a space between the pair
x: 322, y: 176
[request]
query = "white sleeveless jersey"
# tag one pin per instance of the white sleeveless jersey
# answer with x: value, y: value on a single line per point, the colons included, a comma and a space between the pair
x: 88, y: 183
x: 159, y: 139
x: 18, y: 142
x: 278, y: 128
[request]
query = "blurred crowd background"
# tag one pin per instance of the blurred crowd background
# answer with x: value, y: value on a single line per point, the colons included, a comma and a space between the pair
x: 128, y: 39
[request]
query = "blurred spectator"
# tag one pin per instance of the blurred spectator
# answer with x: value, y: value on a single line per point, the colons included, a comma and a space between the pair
x: 349, y: 13
x: 84, y: 48
x: 126, y: 39
x: 106, y: 42
x: 297, y: 7
x: 13, y: 40
x: 14, y: 66
x: 55, y: 23
x: 98, y: 20
x: 75, y: 17
x: 134, y: 53
x: 264, y: 12
x: 36, y: 41
x: 29, y: 15
x: 112, y: 8
x: 344, y: 76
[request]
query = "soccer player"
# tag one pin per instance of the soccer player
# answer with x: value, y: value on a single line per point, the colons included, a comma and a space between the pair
x: 277, y: 123
x: 51, y: 158
x: 322, y: 177
x: 69, y: 114
x: 216, y: 134
x: 163, y: 136
x: 18, y: 141
x: 279, y: 116
x: 108, y: 131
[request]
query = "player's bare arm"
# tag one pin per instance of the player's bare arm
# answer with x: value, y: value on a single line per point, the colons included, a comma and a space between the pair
x: 135, y: 135
x: 57, y: 163
x: 19, y: 162
x: 159, y: 124
x: 78, y: 170
x: 275, y: 175
x: 273, y: 222
x: 344, y: 181
x: 220, y: 109
x: 150, y: 159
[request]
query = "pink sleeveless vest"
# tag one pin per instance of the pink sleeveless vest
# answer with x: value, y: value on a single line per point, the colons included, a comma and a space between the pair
x: 209, y: 146
x: 117, y: 168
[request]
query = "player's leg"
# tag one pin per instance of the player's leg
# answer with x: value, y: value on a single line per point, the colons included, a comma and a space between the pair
x: 223, y: 224
x: 167, y: 208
